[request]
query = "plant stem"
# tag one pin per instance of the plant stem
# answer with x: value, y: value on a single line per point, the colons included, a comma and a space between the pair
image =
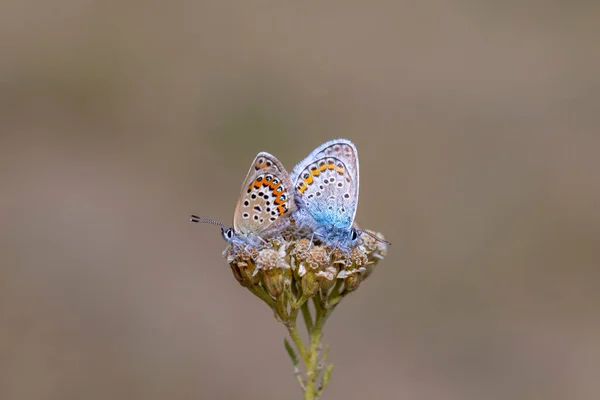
x: 307, y: 317
x: 312, y: 371
x: 295, y: 335
x: 261, y: 294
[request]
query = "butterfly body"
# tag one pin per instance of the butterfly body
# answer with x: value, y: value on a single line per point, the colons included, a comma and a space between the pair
x: 326, y: 192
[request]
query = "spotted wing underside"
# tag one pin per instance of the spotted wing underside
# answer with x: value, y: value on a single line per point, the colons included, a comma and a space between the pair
x: 265, y: 199
x: 326, y: 184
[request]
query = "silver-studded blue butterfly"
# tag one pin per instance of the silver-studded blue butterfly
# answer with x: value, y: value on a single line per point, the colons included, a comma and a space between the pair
x: 265, y: 203
x: 326, y: 192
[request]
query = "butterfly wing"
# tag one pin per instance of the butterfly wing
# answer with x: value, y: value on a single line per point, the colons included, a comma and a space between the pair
x: 266, y: 199
x: 326, y: 185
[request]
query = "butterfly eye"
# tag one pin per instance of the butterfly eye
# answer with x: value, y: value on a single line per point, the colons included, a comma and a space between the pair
x: 227, y: 233
x: 354, y: 234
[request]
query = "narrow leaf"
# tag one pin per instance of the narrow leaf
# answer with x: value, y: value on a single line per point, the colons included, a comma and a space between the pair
x: 291, y: 352
x: 326, y: 378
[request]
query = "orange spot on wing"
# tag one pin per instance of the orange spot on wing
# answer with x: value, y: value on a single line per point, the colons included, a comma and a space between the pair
x: 330, y: 164
x: 309, y: 180
x: 322, y: 167
x: 282, y: 209
x: 302, y: 188
x: 340, y: 170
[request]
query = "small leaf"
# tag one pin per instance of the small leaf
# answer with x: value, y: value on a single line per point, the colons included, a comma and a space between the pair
x: 291, y: 352
x: 325, y: 354
x: 326, y: 378
x: 327, y: 374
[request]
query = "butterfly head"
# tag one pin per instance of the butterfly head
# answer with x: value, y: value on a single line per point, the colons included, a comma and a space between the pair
x: 227, y: 232
x: 354, y: 235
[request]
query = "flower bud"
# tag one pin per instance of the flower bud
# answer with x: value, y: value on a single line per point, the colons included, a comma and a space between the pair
x: 309, y: 284
x: 327, y: 277
x: 352, y: 278
x: 241, y: 261
x: 237, y: 274
x: 275, y: 270
x: 248, y: 272
x: 273, y: 282
x: 351, y: 282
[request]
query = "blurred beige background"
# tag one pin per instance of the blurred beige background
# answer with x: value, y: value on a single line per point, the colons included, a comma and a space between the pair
x: 477, y: 127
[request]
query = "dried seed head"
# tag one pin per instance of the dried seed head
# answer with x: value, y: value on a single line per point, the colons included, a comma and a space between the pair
x: 317, y: 257
x: 248, y: 272
x: 292, y: 265
x: 274, y: 282
x: 339, y: 256
x: 271, y: 258
x: 358, y: 256
x: 275, y: 269
x: 377, y: 249
x: 327, y: 277
x: 240, y: 253
x: 301, y: 247
x: 279, y: 242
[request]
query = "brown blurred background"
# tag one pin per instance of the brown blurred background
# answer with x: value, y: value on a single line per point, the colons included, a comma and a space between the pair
x: 477, y: 127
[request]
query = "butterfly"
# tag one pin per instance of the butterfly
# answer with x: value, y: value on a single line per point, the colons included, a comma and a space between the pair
x: 265, y: 203
x: 326, y: 192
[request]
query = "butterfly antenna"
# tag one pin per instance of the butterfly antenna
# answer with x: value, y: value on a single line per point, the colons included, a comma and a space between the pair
x: 376, y: 238
x: 204, y: 220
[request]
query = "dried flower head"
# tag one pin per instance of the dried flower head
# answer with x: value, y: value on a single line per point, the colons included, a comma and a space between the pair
x: 296, y: 266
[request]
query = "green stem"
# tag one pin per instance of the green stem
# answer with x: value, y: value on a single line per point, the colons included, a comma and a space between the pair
x: 280, y: 308
x: 312, y: 370
x: 295, y: 335
x: 335, y: 297
x: 261, y: 294
x: 307, y: 317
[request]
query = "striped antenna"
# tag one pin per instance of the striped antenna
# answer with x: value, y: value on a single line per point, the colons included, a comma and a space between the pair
x: 204, y: 220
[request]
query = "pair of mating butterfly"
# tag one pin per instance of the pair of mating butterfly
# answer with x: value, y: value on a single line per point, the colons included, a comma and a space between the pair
x: 321, y: 195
